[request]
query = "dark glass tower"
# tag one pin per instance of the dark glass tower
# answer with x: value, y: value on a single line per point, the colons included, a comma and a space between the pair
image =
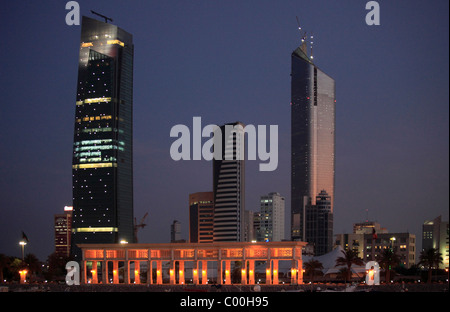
x: 312, y: 139
x: 102, y: 163
x: 228, y: 184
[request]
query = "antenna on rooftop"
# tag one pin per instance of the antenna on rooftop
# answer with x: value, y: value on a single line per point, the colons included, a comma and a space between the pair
x: 312, y: 38
x: 102, y: 16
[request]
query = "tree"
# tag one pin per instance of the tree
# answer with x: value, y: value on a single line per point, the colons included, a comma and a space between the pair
x: 32, y: 264
x: 389, y: 259
x: 349, y: 258
x: 4, y: 263
x: 431, y: 259
x: 313, y: 268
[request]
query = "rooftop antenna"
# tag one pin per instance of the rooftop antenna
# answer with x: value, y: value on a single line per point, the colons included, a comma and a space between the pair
x: 312, y: 38
x: 102, y: 16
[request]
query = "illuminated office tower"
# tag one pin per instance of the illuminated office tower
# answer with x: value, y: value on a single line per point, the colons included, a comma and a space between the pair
x: 63, y: 232
x: 312, y: 141
x: 228, y: 184
x: 102, y: 163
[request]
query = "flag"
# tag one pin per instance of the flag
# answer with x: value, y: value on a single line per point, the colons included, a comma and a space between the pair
x: 24, y: 237
x: 374, y: 233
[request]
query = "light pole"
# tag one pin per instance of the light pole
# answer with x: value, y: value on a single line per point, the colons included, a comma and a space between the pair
x: 23, y: 243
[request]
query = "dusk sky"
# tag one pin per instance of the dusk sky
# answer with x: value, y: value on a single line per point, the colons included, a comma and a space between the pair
x: 227, y: 61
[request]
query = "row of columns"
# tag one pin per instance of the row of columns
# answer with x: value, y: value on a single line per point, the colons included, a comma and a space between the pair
x: 247, y: 273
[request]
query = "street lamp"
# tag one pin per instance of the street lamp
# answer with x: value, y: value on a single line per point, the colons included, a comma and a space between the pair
x: 23, y: 243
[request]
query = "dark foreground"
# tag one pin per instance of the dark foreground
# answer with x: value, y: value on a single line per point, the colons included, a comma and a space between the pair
x: 407, y: 287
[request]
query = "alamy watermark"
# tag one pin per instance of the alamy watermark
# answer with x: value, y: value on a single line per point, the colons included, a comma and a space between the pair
x: 73, y: 273
x: 373, y: 17
x: 228, y: 145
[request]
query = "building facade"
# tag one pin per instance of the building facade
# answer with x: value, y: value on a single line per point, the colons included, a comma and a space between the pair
x: 228, y: 183
x: 312, y: 141
x: 269, y: 222
x: 63, y: 232
x: 201, y: 217
x: 435, y: 234
x: 190, y: 263
x: 102, y: 165
x: 319, y: 224
x: 175, y: 231
x: 370, y: 245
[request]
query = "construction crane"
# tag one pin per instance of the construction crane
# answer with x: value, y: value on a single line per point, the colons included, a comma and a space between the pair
x: 102, y: 16
x: 300, y: 29
x: 139, y: 225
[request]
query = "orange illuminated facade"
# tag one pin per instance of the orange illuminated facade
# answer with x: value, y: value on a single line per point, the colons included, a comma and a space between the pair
x: 187, y: 263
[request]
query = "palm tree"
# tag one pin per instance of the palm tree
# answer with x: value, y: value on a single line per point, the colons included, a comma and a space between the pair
x: 389, y: 259
x: 349, y: 258
x: 312, y: 268
x: 430, y: 258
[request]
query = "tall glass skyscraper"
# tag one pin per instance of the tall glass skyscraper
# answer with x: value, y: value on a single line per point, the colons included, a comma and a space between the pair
x: 312, y: 139
x: 102, y: 165
x: 228, y: 184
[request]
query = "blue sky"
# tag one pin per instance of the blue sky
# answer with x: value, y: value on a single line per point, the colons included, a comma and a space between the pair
x: 226, y: 61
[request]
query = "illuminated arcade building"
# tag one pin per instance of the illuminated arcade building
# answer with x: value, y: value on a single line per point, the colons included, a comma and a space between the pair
x: 312, y: 146
x: 102, y: 164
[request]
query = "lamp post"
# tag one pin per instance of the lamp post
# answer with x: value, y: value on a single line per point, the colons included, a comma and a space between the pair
x: 23, y: 243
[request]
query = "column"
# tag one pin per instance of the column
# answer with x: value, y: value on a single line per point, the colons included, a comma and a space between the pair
x: 181, y: 279
x: 244, y: 272
x: 195, y: 273
x: 126, y: 271
x: 269, y: 272
x: 149, y: 272
x: 204, y: 272
x: 227, y: 272
x: 294, y: 271
x: 251, y: 271
x: 137, y: 272
x: 300, y: 272
x: 172, y: 272
x: 219, y: 272
x: 275, y: 272
x: 105, y: 279
x: 159, y: 272
x: 94, y: 272
x: 83, y: 272
x: 116, y: 272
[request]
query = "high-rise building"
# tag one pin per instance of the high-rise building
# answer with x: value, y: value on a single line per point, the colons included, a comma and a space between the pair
x: 435, y: 234
x: 102, y: 165
x: 269, y: 225
x: 312, y: 139
x: 201, y: 217
x: 175, y: 231
x: 319, y: 224
x: 228, y: 184
x: 63, y: 232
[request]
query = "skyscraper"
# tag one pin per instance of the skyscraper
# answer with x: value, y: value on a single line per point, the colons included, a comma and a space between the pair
x: 63, y: 232
x: 270, y: 219
x: 312, y: 138
x: 102, y: 165
x: 228, y: 184
x: 201, y: 217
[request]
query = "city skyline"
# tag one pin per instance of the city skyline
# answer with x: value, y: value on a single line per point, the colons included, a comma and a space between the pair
x: 197, y: 60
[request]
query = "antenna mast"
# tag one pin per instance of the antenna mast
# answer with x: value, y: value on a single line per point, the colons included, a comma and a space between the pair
x: 102, y: 16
